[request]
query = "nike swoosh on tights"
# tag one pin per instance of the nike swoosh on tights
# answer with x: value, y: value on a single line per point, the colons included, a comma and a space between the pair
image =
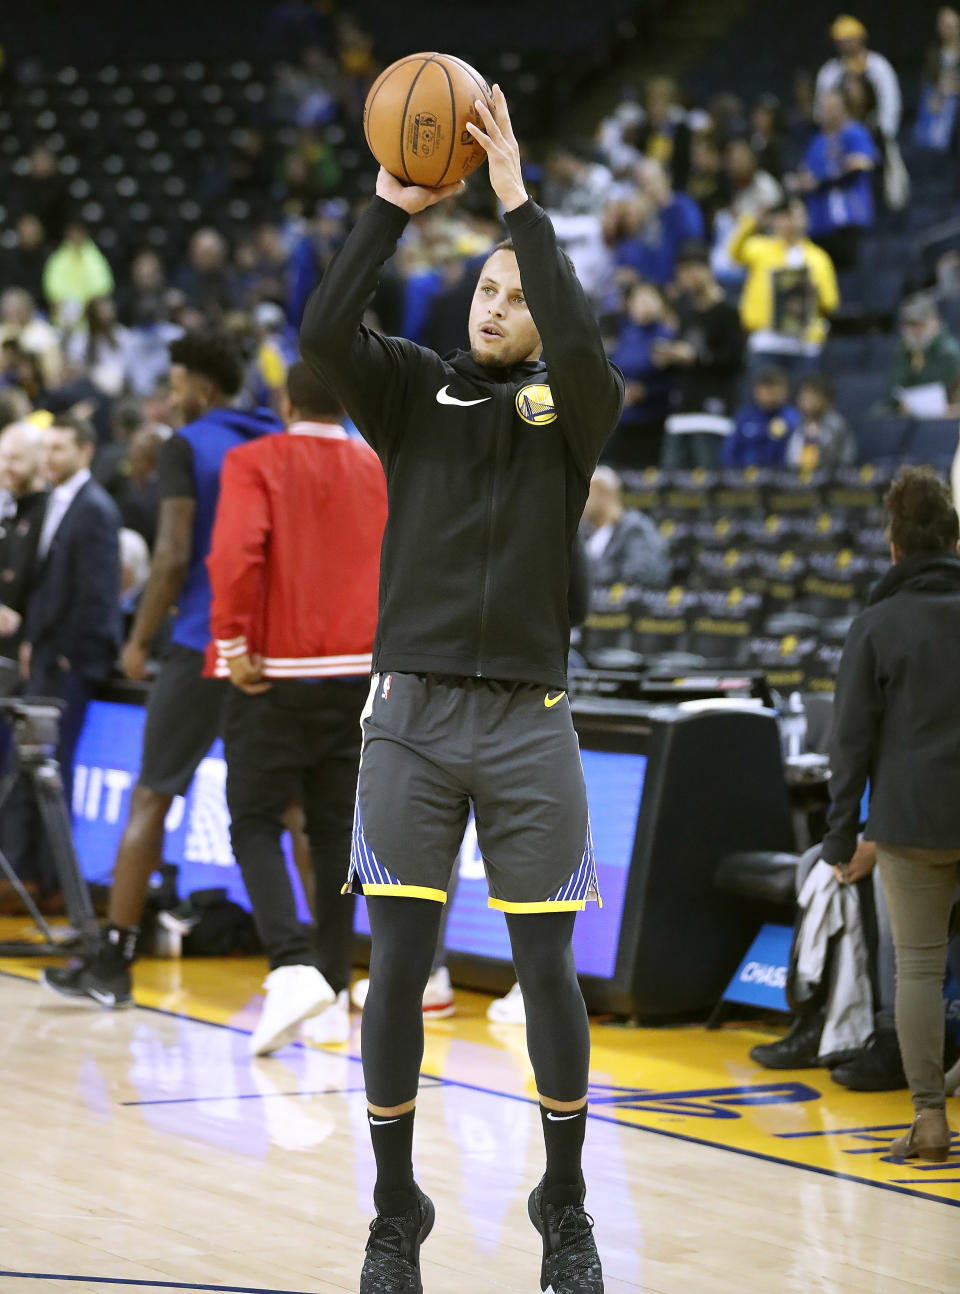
x: 563, y: 1118
x: 443, y: 398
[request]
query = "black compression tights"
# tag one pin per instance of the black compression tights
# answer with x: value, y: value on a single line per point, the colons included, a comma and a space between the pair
x: 404, y: 936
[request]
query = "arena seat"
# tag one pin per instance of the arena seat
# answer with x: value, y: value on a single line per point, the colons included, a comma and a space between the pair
x: 760, y: 876
x: 661, y: 620
x: 932, y: 441
x: 882, y: 439
x: 723, y: 625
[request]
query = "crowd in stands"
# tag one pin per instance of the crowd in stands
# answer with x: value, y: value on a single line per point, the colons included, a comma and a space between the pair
x: 752, y: 264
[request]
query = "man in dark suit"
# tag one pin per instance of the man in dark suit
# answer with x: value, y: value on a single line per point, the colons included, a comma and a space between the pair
x: 72, y: 622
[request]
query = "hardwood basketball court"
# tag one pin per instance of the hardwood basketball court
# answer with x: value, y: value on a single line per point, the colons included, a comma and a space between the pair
x: 146, y: 1150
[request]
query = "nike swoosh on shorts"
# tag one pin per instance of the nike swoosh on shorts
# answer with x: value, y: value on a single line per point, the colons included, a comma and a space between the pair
x: 443, y: 398
x: 550, y: 701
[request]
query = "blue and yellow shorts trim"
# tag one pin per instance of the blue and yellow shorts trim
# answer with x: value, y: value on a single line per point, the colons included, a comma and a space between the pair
x: 368, y: 876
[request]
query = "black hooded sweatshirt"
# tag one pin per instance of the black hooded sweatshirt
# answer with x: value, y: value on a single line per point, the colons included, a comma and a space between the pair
x: 487, y: 468
x: 897, y: 713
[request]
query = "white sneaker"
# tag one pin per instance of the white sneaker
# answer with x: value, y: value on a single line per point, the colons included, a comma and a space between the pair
x: 331, y: 1025
x: 358, y: 994
x: 438, y: 996
x: 294, y: 993
x: 509, y: 1009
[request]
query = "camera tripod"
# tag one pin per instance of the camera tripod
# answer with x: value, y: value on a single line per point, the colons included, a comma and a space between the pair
x: 35, y: 725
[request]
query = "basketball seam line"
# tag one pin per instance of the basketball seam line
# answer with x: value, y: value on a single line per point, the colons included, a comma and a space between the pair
x: 485, y: 89
x: 381, y: 82
x: 453, y: 122
x: 403, y: 115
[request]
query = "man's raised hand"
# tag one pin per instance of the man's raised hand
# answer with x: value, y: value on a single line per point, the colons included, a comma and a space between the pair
x: 412, y: 197
x: 502, y: 150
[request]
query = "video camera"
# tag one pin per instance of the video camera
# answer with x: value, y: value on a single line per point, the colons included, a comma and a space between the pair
x: 35, y: 725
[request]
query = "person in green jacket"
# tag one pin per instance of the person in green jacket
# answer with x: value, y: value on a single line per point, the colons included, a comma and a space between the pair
x: 928, y: 357
x: 75, y: 273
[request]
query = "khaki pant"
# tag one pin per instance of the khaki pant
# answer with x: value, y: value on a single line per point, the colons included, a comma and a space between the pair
x: 919, y: 885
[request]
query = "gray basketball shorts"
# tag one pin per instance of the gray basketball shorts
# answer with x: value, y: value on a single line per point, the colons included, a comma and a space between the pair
x: 432, y: 746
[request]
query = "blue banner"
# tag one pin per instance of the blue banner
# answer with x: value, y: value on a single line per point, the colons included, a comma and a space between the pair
x: 762, y: 975
x: 198, y: 836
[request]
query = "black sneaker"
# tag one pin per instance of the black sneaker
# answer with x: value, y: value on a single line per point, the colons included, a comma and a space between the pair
x: 798, y: 1049
x: 392, y: 1264
x: 103, y: 979
x: 571, y: 1264
x: 876, y: 1067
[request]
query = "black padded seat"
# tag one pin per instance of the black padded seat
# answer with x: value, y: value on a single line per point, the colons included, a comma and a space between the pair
x: 759, y: 876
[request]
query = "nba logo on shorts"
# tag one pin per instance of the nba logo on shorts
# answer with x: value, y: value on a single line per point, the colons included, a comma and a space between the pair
x: 385, y: 690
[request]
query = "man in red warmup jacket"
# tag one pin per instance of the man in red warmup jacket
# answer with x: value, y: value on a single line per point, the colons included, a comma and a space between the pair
x: 294, y: 567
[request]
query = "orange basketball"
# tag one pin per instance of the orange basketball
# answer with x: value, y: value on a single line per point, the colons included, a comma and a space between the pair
x: 415, y: 119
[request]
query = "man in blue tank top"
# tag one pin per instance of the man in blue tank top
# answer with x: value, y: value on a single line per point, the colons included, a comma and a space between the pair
x: 183, y: 715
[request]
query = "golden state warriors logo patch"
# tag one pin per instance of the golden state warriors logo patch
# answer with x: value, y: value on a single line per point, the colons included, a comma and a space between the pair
x: 535, y: 405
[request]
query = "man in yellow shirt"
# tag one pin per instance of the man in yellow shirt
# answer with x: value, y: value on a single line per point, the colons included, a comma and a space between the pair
x: 790, y: 292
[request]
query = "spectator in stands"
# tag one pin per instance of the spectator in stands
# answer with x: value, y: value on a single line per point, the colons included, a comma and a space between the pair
x: 763, y: 427
x: 310, y: 171
x: 76, y: 273
x: 790, y: 292
x: 21, y: 322
x: 936, y: 123
x: 29, y: 252
x: 925, y: 381
x: 207, y: 280
x: 141, y: 298
x: 853, y: 58
x: 706, y: 359
x: 836, y: 177
x: 71, y: 630
x: 662, y: 133
x: 21, y: 475
x: 753, y: 191
x: 622, y: 547
x: 823, y: 440
x: 897, y: 698
x: 575, y: 184
x: 767, y: 134
x: 43, y: 190
x: 708, y: 183
x: 100, y: 346
x: 663, y: 221
x: 638, y: 440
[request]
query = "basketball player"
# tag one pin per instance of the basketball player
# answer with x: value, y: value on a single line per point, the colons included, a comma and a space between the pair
x: 488, y: 458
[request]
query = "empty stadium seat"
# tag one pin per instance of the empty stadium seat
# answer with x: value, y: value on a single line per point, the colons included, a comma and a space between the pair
x: 882, y: 439
x: 662, y: 620
x: 932, y: 441
x: 609, y: 622
x: 791, y: 494
x: 835, y: 584
x: 724, y: 624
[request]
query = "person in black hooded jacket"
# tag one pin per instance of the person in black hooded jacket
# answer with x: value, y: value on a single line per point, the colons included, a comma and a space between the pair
x: 488, y: 456
x: 897, y: 725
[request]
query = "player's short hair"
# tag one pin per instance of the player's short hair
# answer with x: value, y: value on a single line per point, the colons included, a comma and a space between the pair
x: 310, y: 395
x: 921, y: 517
x: 82, y: 428
x: 213, y: 355
x: 507, y: 246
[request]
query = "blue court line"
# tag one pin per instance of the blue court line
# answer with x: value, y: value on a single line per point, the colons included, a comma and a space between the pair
x: 599, y: 1118
x: 165, y: 1285
x: 263, y: 1096
x: 842, y: 1132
